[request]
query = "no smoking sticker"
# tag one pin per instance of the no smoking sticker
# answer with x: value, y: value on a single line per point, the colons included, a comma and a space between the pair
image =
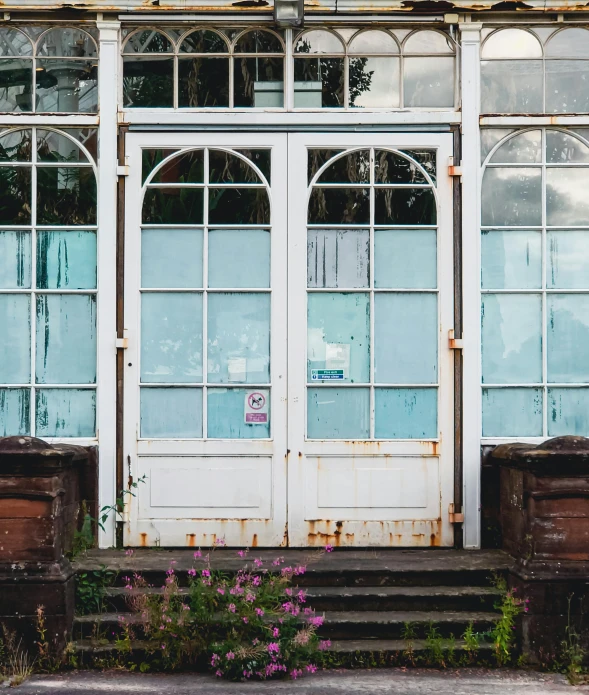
x: 256, y: 408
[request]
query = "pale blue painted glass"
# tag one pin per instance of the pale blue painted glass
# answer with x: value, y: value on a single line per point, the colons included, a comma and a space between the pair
x: 66, y: 339
x: 239, y: 338
x: 568, y: 412
x: 512, y: 338
x: 15, y: 339
x: 15, y: 412
x: 334, y: 413
x: 511, y: 260
x: 338, y: 324
x: 512, y: 412
x: 239, y: 258
x: 226, y: 416
x: 338, y: 258
x: 171, y: 337
x: 567, y: 263
x: 15, y: 260
x: 568, y: 337
x: 512, y: 197
x: 174, y: 413
x: 171, y: 258
x: 406, y: 413
x: 65, y: 413
x: 567, y: 202
x: 66, y: 260
x: 405, y: 258
x: 406, y: 338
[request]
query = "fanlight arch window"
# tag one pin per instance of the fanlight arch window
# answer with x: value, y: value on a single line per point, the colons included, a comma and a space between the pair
x: 535, y: 71
x: 51, y: 70
x: 48, y: 282
x: 535, y: 285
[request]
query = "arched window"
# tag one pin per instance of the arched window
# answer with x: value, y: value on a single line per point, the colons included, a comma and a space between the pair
x: 48, y: 282
x: 535, y: 285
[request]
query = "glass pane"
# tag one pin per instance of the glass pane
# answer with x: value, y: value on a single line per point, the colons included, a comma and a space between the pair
x: 319, y: 83
x: 568, y: 337
x: 261, y: 158
x: 66, y: 339
x: 16, y: 85
x: 171, y: 258
x: 204, y: 41
x: 338, y: 413
x: 338, y: 258
x: 239, y: 338
x: 567, y: 86
x: 15, y: 412
x: 258, y: 82
x: 374, y: 41
x: 490, y: 137
x: 15, y: 339
x: 148, y: 82
x: 65, y: 412
x: 339, y: 206
x: 568, y: 260
x: 66, y: 195
x: 14, y: 43
x: 225, y: 167
x: 562, y: 148
x: 15, y: 260
x: 406, y: 338
x: 239, y: 206
x: 428, y: 81
x: 66, y: 42
x: 184, y: 168
x: 171, y: 337
x: 569, y: 43
x: 406, y: 413
x: 318, y: 41
x: 512, y: 338
x: 317, y: 158
x: 353, y: 167
x: 15, y: 195
x: 380, y: 84
x: 15, y: 146
x: 525, y: 148
x: 257, y: 41
x: 226, y: 415
x: 511, y: 260
x: 148, y: 41
x: 71, y: 89
x: 404, y: 206
x: 566, y: 196
x: 203, y: 82
x: 512, y: 43
x: 173, y: 206
x: 511, y: 86
x: 171, y: 412
x: 390, y: 167
x: 568, y: 412
x: 405, y: 258
x: 512, y: 412
x: 150, y: 159
x: 512, y: 197
x: 428, y: 42
x: 66, y: 260
x: 239, y: 258
x: 56, y: 147
x: 338, y: 337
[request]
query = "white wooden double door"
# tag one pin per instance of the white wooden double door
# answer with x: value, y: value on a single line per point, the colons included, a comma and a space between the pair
x: 287, y: 305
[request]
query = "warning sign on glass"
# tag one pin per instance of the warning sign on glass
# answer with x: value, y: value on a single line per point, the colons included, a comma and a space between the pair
x: 256, y: 408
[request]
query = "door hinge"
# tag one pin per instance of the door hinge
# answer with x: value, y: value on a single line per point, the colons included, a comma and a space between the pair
x: 453, y: 342
x: 454, y: 517
x: 454, y: 169
x: 122, y: 343
x: 123, y: 169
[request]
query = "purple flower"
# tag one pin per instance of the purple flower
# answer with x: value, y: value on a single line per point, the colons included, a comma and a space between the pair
x: 295, y: 673
x: 231, y: 608
x: 230, y: 656
x: 198, y: 553
x: 219, y: 673
x: 328, y: 548
x: 214, y: 659
x: 324, y: 644
x: 219, y: 542
x: 220, y: 590
x: 258, y: 562
x: 192, y: 572
x: 260, y: 612
x: 256, y: 581
x: 288, y: 591
x: 311, y: 668
x: 275, y: 632
x: 242, y: 553
x: 302, y: 596
x: 316, y: 620
x: 206, y: 573
x: 250, y: 597
x: 278, y: 561
x: 273, y: 648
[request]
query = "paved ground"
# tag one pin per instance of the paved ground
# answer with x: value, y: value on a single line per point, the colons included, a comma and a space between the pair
x: 379, y: 682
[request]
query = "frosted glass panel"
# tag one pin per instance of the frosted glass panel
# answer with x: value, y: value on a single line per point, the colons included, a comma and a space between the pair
x: 568, y: 412
x: 568, y: 260
x: 66, y: 339
x: 15, y: 260
x: 512, y: 412
x: 239, y: 258
x: 568, y: 337
x: 15, y: 412
x: 226, y: 416
x: 512, y: 197
x: 239, y: 338
x: 406, y: 338
x: 171, y: 337
x: 525, y: 148
x: 567, y: 86
x: 171, y: 258
x: 65, y: 413
x: 511, y: 260
x: 171, y: 412
x: 338, y: 258
x: 562, y: 148
x: 15, y: 339
x: 511, y: 86
x: 338, y: 335
x: 406, y: 413
x: 338, y: 413
x: 512, y: 338
x: 405, y: 258
x: 566, y: 196
x: 428, y: 81
x: 66, y: 260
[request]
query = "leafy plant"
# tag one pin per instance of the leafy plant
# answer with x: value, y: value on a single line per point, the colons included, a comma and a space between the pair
x: 434, y: 647
x: 91, y: 589
x: 503, y: 633
x: 409, y: 634
x: 573, y: 652
x: 119, y: 505
x: 15, y: 663
x: 471, y: 643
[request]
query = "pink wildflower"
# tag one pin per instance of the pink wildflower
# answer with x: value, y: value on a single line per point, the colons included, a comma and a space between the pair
x: 231, y: 608
x: 288, y: 591
x: 192, y: 572
x: 275, y: 632
x: 311, y: 668
x: 316, y: 620
x: 256, y: 581
x: 324, y: 644
x: 206, y: 573
x: 273, y: 648
x: 220, y: 590
x: 250, y: 597
x: 295, y: 673
x: 328, y: 548
x: 260, y: 612
x: 258, y: 562
x: 302, y: 596
x: 278, y: 561
x: 129, y: 552
x: 162, y: 627
x: 215, y: 659
x: 163, y: 647
x: 245, y: 620
x: 219, y: 673
x: 230, y: 656
x: 242, y: 553
x: 198, y: 554
x: 219, y: 542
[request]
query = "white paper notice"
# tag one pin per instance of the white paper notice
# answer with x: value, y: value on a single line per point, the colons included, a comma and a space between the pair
x: 256, y: 408
x: 337, y: 356
x: 237, y: 368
